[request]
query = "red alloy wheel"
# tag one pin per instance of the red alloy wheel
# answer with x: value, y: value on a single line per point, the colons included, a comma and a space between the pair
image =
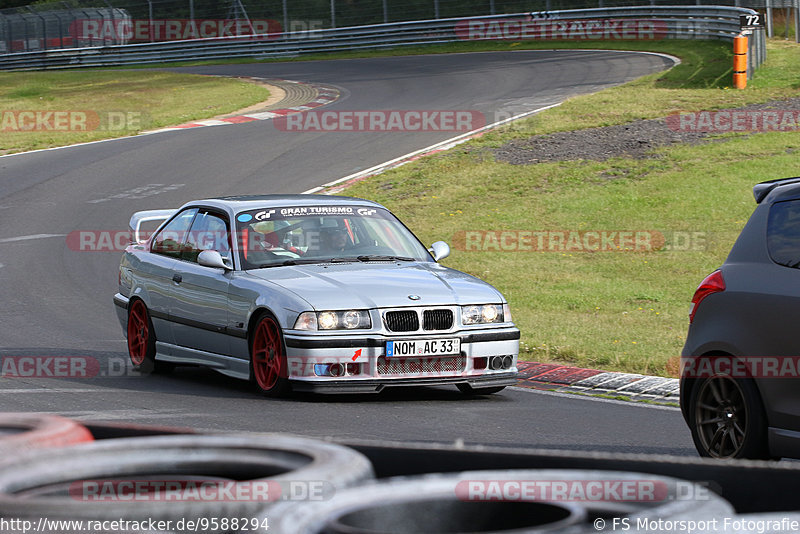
x: 138, y: 333
x: 269, y: 360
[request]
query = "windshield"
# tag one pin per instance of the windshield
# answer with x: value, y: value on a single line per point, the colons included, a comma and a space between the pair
x: 321, y: 234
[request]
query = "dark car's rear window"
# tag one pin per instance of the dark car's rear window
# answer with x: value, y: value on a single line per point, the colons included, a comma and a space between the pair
x: 783, y: 233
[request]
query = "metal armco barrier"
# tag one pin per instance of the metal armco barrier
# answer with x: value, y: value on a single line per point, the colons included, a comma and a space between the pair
x: 648, y: 23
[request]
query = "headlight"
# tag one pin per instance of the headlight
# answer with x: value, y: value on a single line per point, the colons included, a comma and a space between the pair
x: 333, y: 320
x: 482, y: 314
x: 327, y: 320
x: 353, y: 318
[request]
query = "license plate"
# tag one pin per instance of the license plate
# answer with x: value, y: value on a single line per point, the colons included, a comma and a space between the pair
x: 450, y: 346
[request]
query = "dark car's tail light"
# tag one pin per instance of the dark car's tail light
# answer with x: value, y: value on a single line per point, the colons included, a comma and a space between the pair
x: 713, y: 283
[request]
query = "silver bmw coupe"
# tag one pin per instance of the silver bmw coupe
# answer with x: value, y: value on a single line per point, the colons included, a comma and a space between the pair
x: 311, y: 293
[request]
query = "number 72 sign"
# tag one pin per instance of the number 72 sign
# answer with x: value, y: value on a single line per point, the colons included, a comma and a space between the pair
x: 750, y: 22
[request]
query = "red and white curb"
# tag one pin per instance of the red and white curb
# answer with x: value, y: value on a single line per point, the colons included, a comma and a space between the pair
x: 593, y: 381
x: 325, y: 95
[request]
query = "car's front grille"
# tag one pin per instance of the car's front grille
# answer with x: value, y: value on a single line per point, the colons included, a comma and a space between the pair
x: 408, y: 320
x: 437, y: 319
x: 421, y: 366
x: 402, y: 321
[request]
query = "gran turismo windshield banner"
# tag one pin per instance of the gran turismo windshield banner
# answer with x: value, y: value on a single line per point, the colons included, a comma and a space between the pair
x: 304, y: 211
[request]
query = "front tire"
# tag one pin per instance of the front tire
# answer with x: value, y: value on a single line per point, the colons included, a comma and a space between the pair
x: 141, y: 338
x: 142, y: 341
x: 728, y: 419
x: 268, y: 364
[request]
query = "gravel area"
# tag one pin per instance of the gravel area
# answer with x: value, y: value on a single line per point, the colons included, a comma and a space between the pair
x: 634, y: 140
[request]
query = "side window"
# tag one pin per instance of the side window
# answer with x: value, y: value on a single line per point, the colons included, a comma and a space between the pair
x: 783, y: 233
x: 170, y: 239
x: 209, y: 232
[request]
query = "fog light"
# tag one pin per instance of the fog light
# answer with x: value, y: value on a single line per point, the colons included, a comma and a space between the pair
x: 496, y: 363
x: 507, y: 361
x: 353, y: 368
x: 330, y: 369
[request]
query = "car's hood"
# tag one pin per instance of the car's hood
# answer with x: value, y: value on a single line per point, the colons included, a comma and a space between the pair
x: 379, y: 285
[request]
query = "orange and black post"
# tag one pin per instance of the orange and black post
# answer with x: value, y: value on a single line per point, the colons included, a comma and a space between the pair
x: 740, y: 61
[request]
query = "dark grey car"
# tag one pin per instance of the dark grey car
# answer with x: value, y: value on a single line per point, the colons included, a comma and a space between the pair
x: 740, y: 380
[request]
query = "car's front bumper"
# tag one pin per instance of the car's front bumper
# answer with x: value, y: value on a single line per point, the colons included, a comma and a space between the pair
x: 367, y: 368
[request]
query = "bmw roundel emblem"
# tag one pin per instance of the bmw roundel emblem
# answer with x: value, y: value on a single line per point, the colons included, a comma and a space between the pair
x: 414, y: 297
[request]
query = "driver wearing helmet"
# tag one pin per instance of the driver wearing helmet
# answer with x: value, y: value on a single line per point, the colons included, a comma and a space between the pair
x: 332, y: 240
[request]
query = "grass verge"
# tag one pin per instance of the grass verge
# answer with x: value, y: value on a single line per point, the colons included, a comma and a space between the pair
x: 624, y: 311
x: 100, y: 104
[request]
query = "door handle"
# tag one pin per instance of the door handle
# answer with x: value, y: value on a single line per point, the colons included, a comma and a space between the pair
x: 177, y: 278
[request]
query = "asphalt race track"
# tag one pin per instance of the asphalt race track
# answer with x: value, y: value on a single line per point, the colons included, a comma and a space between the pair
x: 56, y: 302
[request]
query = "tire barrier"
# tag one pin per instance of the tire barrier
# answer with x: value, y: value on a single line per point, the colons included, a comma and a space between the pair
x: 21, y: 431
x: 176, y: 477
x: 292, y: 485
x: 563, y: 501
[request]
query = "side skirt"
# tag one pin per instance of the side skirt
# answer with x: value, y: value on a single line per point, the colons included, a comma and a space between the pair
x: 226, y: 365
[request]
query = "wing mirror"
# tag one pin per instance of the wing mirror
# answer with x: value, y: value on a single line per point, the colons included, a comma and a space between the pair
x: 439, y: 250
x: 212, y: 258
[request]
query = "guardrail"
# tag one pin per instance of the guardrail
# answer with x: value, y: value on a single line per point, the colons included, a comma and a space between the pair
x: 622, y: 23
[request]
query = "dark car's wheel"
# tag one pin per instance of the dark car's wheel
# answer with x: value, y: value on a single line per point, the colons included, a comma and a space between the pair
x: 268, y: 366
x: 727, y: 419
x: 469, y: 390
x: 142, y: 341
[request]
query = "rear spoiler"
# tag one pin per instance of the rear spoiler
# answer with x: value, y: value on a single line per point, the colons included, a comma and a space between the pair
x: 145, y: 216
x: 760, y: 191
